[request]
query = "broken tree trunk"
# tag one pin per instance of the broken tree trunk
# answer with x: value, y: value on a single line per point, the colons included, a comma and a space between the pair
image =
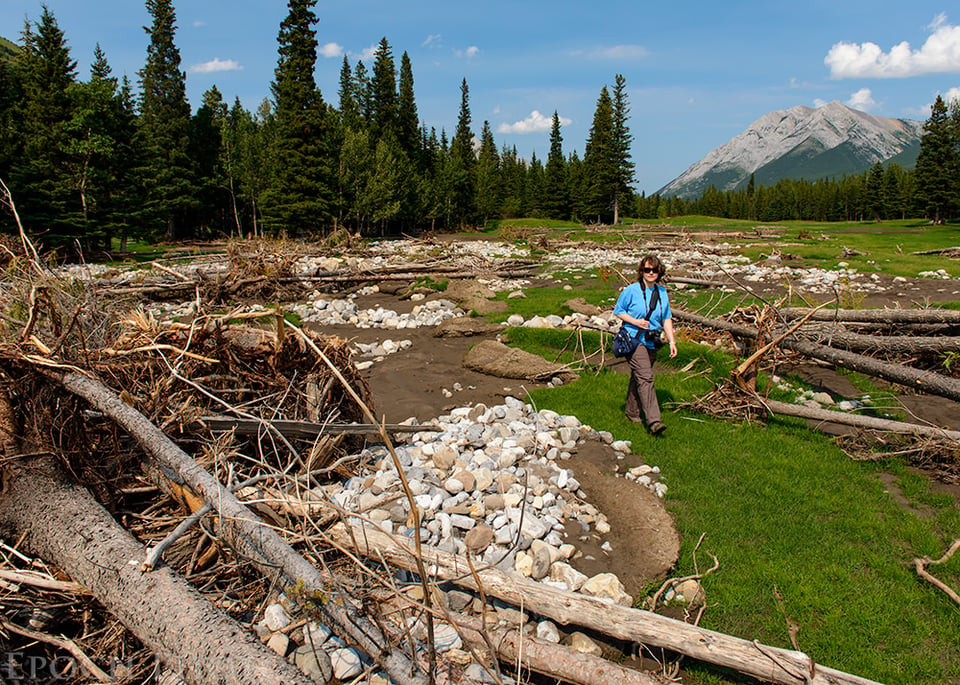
x: 253, y: 539
x: 63, y: 524
x: 556, y: 661
x: 918, y: 379
x: 770, y: 664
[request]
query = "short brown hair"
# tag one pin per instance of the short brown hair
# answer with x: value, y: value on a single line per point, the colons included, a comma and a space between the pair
x: 654, y: 261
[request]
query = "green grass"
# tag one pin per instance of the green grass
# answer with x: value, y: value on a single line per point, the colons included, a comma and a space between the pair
x: 786, y: 511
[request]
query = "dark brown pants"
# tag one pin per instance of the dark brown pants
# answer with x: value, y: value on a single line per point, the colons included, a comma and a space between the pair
x: 641, y: 395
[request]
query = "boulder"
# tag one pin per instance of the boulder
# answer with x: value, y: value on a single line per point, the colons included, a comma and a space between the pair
x: 496, y: 359
x: 465, y: 327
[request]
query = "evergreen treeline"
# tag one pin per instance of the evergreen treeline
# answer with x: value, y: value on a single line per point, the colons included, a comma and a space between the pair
x: 89, y: 161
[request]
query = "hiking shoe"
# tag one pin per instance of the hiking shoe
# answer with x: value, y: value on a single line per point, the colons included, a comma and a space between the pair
x: 657, y: 427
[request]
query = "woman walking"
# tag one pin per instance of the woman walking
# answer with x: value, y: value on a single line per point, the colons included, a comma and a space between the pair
x: 644, y: 308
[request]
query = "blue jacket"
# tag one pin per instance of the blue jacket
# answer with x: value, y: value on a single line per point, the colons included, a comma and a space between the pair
x: 635, y: 301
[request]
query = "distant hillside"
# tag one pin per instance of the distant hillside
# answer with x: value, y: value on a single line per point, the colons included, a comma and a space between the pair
x: 7, y: 48
x: 802, y: 143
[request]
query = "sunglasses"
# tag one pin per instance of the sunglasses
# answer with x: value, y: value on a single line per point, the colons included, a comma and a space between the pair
x: 648, y: 270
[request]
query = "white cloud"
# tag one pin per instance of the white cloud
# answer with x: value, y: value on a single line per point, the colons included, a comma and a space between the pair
x: 198, y: 23
x: 331, y: 50
x: 619, y: 52
x: 434, y: 40
x: 366, y: 54
x: 951, y: 95
x: 215, y: 65
x: 939, y: 54
x: 862, y: 100
x: 471, y: 51
x: 535, y: 123
x: 818, y: 103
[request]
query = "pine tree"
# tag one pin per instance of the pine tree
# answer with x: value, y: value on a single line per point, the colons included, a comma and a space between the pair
x: 936, y: 165
x: 168, y: 173
x: 556, y: 198
x: 300, y: 197
x: 622, y: 141
x: 43, y: 178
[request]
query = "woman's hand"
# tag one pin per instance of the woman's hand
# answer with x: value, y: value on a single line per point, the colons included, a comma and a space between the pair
x: 673, y: 349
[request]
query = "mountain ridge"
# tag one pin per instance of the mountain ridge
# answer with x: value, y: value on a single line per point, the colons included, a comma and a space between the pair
x: 800, y: 142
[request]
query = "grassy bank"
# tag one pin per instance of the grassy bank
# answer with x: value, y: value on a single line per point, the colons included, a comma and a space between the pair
x: 788, y: 514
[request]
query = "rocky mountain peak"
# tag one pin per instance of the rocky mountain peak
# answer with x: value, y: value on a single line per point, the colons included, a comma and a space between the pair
x: 800, y: 142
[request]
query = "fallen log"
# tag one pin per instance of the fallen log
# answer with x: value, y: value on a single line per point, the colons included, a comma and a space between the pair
x: 918, y: 379
x: 550, y: 659
x: 904, y: 316
x: 771, y: 664
x: 303, y: 429
x: 891, y: 344
x: 250, y: 537
x: 62, y: 523
x: 860, y: 421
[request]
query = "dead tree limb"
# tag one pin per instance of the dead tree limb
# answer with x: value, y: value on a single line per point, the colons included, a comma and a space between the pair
x: 769, y: 664
x: 918, y: 379
x: 860, y: 421
x: 920, y: 565
x: 67, y: 527
x: 249, y: 536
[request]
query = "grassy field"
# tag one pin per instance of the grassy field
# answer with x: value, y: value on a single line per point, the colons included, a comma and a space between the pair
x: 805, y: 536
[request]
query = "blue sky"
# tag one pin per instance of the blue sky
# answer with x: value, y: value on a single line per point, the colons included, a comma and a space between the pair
x: 697, y: 73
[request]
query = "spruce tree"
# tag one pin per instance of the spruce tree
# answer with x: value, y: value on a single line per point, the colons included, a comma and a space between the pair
x: 101, y: 135
x: 622, y: 141
x: 206, y: 150
x: 463, y: 164
x: 164, y: 134
x: 600, y: 178
x: 556, y: 198
x: 300, y: 197
x: 383, y: 89
x: 488, y: 176
x: 936, y: 165
x: 43, y: 180
x: 408, y: 124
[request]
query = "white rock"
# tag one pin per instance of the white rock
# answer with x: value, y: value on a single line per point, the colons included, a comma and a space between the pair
x: 275, y: 617
x: 346, y: 663
x: 607, y: 586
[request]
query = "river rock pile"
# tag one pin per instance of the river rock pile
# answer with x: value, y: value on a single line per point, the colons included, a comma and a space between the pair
x: 345, y: 311
x: 487, y: 482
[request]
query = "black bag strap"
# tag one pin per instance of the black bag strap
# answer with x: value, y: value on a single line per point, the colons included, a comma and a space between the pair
x: 654, y: 299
